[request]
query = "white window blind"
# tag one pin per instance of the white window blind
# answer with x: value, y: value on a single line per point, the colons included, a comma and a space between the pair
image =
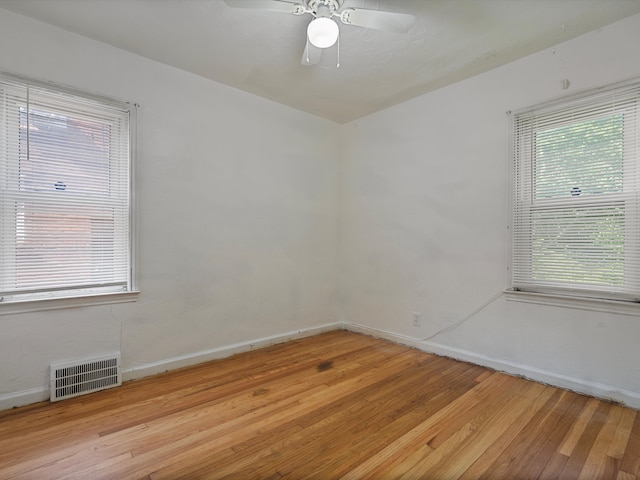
x: 575, y: 212
x: 65, y: 193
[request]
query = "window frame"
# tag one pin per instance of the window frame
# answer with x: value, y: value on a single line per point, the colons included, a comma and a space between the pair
x: 52, y: 298
x: 567, y: 297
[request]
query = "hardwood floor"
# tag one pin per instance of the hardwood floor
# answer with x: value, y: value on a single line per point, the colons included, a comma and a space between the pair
x: 338, y: 405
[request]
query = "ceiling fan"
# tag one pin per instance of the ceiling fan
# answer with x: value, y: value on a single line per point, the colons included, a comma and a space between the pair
x: 323, y: 31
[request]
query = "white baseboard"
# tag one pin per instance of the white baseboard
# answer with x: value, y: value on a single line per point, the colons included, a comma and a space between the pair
x: 594, y: 389
x: 164, y: 365
x: 23, y: 397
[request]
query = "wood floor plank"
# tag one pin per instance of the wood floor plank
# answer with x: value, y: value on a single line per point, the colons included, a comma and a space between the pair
x: 534, y: 446
x: 620, y: 439
x: 336, y: 405
x: 580, y: 453
x: 625, y: 476
x: 448, y: 458
x: 455, y: 463
x: 430, y: 424
x: 534, y: 402
x: 554, y: 467
x: 576, y: 431
x: 631, y: 458
x: 596, y: 464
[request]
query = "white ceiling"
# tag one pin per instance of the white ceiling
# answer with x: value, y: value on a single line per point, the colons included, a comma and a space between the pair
x: 260, y: 52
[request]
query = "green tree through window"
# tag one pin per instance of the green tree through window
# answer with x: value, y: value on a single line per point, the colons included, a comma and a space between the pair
x: 586, y: 155
x: 573, y: 162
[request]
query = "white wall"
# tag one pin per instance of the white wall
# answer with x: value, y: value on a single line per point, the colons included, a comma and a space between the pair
x: 424, y: 217
x: 237, y: 230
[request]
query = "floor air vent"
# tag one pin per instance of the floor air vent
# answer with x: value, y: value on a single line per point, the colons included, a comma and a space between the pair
x: 85, y: 376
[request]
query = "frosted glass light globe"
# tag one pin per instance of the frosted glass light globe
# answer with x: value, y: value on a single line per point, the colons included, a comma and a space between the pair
x: 323, y: 32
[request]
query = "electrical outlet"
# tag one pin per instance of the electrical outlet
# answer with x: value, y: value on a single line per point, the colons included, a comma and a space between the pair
x: 417, y: 319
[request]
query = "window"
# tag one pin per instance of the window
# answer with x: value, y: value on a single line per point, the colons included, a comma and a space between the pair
x: 576, y: 196
x: 65, y: 194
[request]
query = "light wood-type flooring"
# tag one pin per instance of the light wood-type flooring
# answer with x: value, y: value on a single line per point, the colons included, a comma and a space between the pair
x: 336, y: 405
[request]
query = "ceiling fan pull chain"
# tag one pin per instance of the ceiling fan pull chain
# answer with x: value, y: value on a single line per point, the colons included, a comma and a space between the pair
x: 307, y: 50
x: 338, y: 64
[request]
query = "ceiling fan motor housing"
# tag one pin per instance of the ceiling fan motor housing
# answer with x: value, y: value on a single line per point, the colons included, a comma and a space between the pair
x: 316, y: 7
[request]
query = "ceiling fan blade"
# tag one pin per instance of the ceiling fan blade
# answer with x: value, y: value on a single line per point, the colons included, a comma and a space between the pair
x: 311, y: 54
x: 266, y: 5
x: 390, y: 21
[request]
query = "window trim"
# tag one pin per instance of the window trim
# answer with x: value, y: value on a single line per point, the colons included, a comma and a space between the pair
x: 567, y: 299
x: 36, y: 305
x: 621, y: 307
x: 85, y: 297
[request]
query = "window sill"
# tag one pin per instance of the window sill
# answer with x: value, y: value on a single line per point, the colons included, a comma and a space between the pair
x: 24, y: 306
x: 583, y: 303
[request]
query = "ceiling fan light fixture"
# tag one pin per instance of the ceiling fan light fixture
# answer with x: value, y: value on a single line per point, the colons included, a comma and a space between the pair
x: 323, y: 32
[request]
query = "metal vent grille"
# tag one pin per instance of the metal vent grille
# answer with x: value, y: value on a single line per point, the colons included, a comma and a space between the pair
x: 86, y: 376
